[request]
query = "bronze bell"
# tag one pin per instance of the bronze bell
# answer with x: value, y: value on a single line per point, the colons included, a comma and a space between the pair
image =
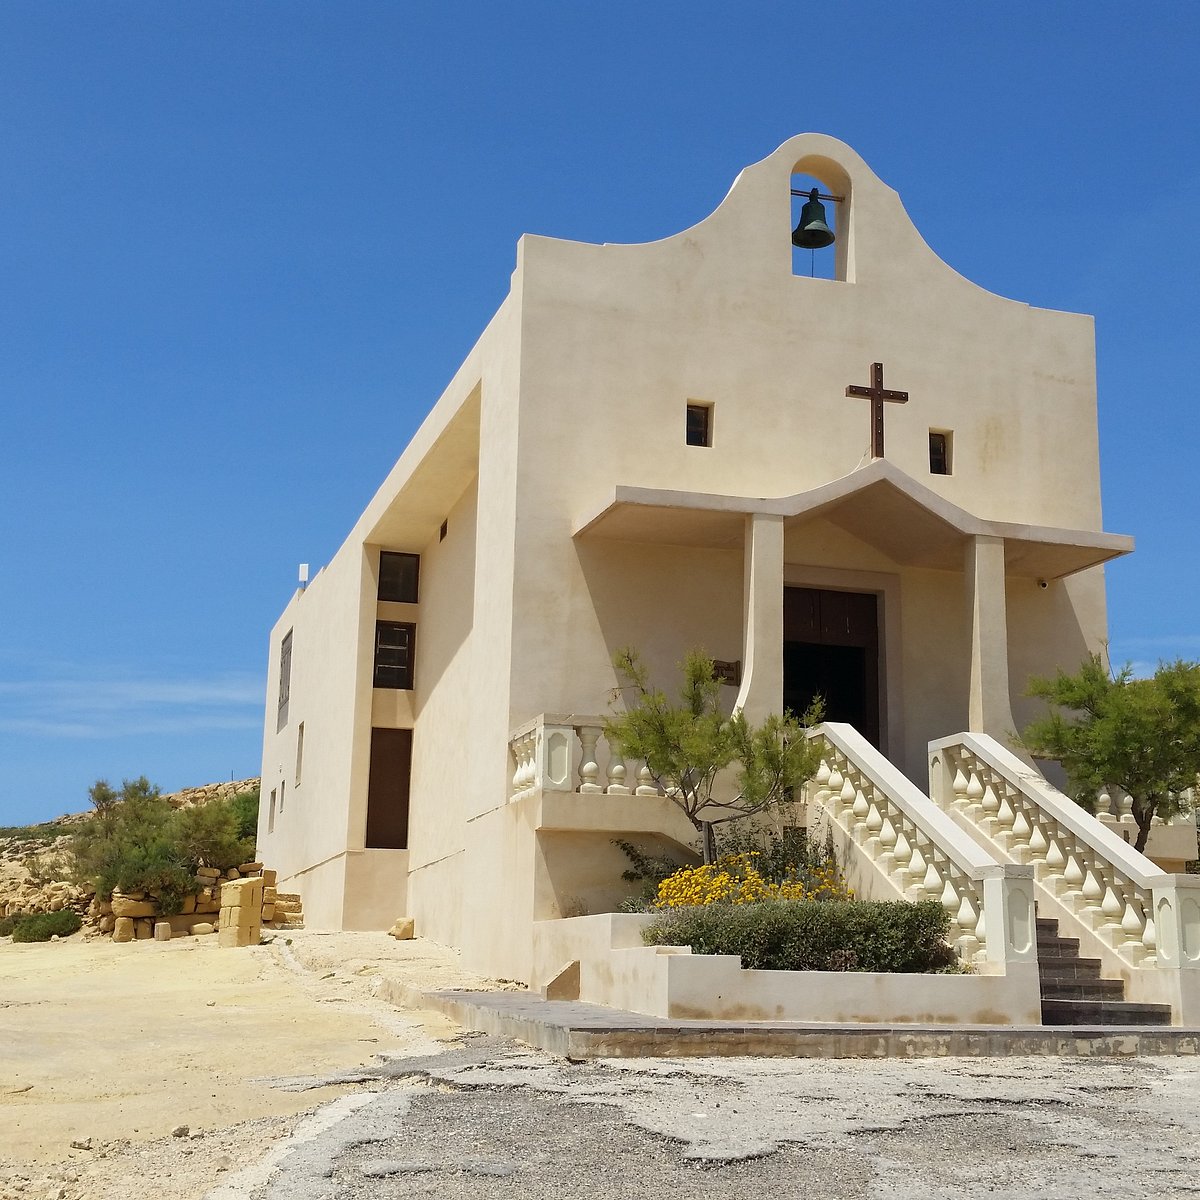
x: 812, y: 232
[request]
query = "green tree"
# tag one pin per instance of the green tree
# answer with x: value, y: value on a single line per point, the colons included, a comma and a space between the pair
x: 689, y: 744
x: 1141, y: 735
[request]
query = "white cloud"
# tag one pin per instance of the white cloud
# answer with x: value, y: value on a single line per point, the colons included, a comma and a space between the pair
x: 105, y: 708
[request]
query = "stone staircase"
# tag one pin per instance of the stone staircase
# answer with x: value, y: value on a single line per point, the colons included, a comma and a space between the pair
x: 1073, y: 991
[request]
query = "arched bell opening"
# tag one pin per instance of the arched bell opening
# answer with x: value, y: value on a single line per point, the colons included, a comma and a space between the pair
x: 821, y: 226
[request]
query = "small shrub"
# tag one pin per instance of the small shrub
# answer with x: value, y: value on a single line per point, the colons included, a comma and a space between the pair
x: 245, y: 813
x: 41, y: 927
x: 8, y: 924
x: 789, y: 935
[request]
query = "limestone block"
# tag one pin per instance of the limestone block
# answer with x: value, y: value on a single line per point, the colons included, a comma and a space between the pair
x: 129, y: 895
x: 269, y: 894
x: 269, y: 878
x: 106, y: 908
x: 200, y: 928
x: 162, y: 931
x: 237, y: 936
x: 122, y: 906
x: 189, y: 905
x: 288, y: 897
x: 402, y: 931
x: 207, y: 873
x: 244, y: 892
x: 207, y: 904
x: 268, y: 912
x: 232, y: 873
x: 250, y: 868
x: 108, y: 923
x: 122, y: 929
x: 143, y: 929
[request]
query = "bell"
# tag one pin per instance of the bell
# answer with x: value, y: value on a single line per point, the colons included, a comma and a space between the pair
x: 812, y: 232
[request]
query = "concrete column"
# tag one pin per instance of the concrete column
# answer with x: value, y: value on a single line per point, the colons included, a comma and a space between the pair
x: 762, y: 640
x: 990, y: 709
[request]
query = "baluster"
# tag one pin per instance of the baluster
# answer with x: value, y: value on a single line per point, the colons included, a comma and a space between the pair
x: 872, y: 825
x: 917, y: 866
x: 1111, y: 909
x: 1104, y: 803
x: 1133, y: 926
x: 1072, y: 874
x: 932, y: 883
x: 821, y: 779
x: 959, y: 786
x: 967, y: 918
x: 887, y: 845
x: 1022, y: 831
x: 1092, y: 893
x: 902, y: 852
x: 1056, y: 861
x: 858, y: 810
x: 1005, y: 813
x: 973, y: 794
x: 989, y: 806
x: 616, y: 771
x: 589, y: 769
x: 835, y: 804
x: 1149, y: 933
x: 646, y: 785
x: 1038, y: 845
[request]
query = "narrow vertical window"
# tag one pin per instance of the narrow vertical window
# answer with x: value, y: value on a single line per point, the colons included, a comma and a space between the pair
x: 285, y: 679
x: 939, y: 452
x: 299, y: 752
x: 699, y: 424
x: 271, y: 814
x: 282, y: 789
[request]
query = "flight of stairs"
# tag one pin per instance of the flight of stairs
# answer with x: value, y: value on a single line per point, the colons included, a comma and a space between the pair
x: 289, y: 911
x: 1073, y: 993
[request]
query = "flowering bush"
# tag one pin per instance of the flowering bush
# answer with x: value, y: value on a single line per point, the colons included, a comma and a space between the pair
x: 736, y: 879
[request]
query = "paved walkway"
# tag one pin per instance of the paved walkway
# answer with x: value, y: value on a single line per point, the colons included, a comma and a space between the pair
x: 575, y: 1030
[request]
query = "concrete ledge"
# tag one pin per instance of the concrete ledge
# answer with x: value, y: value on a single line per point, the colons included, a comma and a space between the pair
x: 571, y: 1029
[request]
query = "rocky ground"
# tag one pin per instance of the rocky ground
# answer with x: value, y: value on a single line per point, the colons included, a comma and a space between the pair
x: 276, y: 1073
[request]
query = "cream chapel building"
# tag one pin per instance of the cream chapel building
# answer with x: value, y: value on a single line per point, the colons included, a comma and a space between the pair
x: 881, y: 486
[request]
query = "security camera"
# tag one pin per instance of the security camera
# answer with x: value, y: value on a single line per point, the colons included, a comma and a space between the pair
x: 1043, y: 584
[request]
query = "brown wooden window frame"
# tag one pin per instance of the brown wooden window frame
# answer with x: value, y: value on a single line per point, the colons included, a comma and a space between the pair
x: 399, y: 576
x: 698, y: 427
x: 941, y: 461
x: 398, y: 674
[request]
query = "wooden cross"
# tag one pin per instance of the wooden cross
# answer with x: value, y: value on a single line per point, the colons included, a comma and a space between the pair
x: 877, y: 394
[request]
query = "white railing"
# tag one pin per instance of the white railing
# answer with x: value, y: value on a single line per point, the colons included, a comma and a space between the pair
x: 555, y: 753
x: 921, y: 851
x: 1145, y: 916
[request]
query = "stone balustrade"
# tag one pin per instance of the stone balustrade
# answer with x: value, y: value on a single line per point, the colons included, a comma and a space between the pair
x: 1145, y: 916
x: 921, y: 851
x: 555, y: 753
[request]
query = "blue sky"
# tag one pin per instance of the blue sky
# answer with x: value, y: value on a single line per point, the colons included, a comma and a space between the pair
x: 244, y: 246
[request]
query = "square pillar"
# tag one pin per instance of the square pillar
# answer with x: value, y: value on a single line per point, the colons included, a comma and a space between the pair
x: 761, y: 692
x: 990, y: 709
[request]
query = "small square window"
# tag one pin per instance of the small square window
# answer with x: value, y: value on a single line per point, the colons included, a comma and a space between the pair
x: 939, y: 452
x: 399, y: 575
x: 395, y: 642
x: 699, y: 424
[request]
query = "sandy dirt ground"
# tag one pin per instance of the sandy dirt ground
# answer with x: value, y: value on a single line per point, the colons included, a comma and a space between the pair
x: 114, y: 1047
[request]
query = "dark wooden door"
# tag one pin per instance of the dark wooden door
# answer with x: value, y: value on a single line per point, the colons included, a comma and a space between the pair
x: 831, y: 649
x: 387, y: 790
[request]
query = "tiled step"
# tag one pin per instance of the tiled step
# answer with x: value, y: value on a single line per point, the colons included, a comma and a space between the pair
x: 1057, y: 947
x: 1103, y: 1012
x: 1082, y: 989
x: 1061, y: 969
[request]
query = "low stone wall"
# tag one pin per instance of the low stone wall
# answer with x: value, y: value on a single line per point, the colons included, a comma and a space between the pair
x: 136, y: 916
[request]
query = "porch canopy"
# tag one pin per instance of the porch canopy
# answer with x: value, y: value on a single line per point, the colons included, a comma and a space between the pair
x: 878, y: 504
x: 885, y: 508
